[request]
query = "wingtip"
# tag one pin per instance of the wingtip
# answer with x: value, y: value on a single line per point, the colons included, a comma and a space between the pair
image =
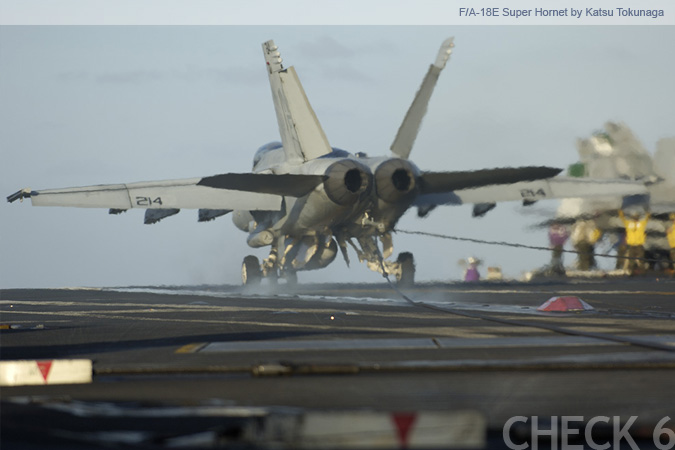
x: 272, y: 56
x: 444, y: 52
x: 543, y: 172
x: 555, y: 171
x: 19, y: 195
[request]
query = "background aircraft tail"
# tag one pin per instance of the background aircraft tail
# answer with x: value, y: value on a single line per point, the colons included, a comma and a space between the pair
x: 664, y: 159
x: 615, y: 152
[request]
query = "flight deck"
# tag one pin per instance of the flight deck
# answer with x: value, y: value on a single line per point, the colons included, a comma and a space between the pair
x: 204, y: 366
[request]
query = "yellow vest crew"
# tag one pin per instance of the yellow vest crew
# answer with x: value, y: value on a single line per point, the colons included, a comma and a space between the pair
x: 671, y: 232
x: 636, y: 229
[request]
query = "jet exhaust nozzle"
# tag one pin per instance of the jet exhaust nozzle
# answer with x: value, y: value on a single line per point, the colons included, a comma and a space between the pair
x: 346, y: 181
x: 395, y: 179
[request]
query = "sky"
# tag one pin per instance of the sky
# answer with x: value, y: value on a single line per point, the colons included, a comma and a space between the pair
x: 83, y: 105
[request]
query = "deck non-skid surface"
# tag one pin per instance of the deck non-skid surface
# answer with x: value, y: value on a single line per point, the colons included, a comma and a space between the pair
x: 354, y: 347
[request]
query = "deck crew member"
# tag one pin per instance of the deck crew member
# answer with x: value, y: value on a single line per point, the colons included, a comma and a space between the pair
x: 636, y: 234
x: 670, y: 234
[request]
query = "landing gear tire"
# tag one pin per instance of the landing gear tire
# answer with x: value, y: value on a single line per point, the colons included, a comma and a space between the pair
x: 406, y: 277
x: 250, y: 271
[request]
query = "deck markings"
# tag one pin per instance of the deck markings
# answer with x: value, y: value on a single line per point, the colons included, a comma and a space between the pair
x: 413, y: 343
x: 335, y: 344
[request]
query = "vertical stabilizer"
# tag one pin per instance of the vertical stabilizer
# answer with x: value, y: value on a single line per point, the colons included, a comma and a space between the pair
x: 663, y: 193
x: 664, y: 159
x: 410, y: 127
x: 301, y: 133
x: 615, y: 153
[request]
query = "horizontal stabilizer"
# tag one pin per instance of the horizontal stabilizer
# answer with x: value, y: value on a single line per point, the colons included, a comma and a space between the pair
x: 206, y: 215
x: 438, y: 182
x: 285, y: 184
x: 168, y: 194
x: 155, y: 215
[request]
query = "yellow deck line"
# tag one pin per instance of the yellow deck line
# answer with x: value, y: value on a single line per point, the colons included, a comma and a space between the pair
x: 192, y: 348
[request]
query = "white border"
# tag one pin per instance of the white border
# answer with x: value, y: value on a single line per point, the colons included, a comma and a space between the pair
x: 320, y: 12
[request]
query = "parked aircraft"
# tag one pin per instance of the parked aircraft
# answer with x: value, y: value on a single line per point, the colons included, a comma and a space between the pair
x: 305, y: 199
x: 612, y: 153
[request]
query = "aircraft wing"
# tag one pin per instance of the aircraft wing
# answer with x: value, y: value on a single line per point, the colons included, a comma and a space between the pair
x: 247, y: 191
x: 531, y: 191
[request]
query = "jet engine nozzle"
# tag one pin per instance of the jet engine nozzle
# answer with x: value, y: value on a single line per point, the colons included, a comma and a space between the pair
x: 395, y: 179
x: 346, y: 180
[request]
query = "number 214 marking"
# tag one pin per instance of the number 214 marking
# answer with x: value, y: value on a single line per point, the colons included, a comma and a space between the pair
x: 148, y: 201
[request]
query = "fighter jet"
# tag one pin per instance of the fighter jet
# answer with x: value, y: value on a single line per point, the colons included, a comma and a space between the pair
x: 305, y: 199
x: 615, y: 152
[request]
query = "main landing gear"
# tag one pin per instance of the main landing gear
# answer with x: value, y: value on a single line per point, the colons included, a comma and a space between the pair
x: 317, y: 253
x: 252, y: 273
x: 403, y: 268
x: 405, y: 275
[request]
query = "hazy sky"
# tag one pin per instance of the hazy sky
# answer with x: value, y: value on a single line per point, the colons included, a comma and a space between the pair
x: 92, y: 105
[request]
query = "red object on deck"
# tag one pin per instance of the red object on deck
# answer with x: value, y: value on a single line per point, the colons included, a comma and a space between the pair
x: 565, y: 304
x: 404, y: 423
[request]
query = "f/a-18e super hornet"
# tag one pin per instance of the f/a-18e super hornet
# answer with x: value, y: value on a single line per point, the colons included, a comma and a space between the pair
x: 306, y: 200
